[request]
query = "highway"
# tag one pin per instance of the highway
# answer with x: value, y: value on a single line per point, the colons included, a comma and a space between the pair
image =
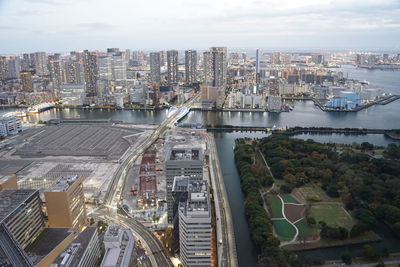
x: 157, y: 255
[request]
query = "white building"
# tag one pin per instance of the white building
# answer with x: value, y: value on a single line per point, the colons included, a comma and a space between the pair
x: 72, y: 94
x: 195, y: 226
x: 10, y: 125
x: 118, y: 244
x: 274, y: 103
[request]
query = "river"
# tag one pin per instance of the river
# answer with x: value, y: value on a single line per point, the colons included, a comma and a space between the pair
x: 305, y: 113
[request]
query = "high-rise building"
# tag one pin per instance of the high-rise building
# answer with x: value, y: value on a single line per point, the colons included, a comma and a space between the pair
x: 258, y: 68
x: 195, y: 225
x: 118, y: 245
x: 26, y: 81
x: 84, y: 251
x: 65, y: 203
x: 13, y: 68
x: 25, y: 63
x: 191, y: 66
x: 172, y: 66
x: 56, y: 75
x: 275, y: 58
x: 90, y: 72
x: 180, y: 161
x: 40, y: 61
x: 20, y: 212
x: 104, y: 67
x: 155, y: 67
x: 118, y: 66
x: 71, y: 71
x: 215, y: 67
x: 3, y: 68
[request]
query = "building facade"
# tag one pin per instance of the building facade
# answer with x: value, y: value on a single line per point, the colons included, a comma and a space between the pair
x: 65, y: 203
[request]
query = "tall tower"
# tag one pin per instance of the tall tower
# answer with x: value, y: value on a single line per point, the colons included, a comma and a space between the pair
x: 65, y: 203
x: 40, y: 59
x: 191, y: 66
x: 26, y: 81
x: 172, y: 66
x: 215, y: 66
x: 258, y: 62
x: 155, y: 67
x: 195, y: 226
x: 90, y: 73
x: 56, y: 74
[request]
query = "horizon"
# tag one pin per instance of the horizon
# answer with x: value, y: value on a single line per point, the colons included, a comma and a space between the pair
x: 61, y: 25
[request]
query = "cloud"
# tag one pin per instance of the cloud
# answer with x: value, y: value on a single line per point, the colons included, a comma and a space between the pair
x: 96, y: 26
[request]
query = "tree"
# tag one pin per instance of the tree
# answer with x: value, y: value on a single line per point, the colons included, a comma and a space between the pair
x: 347, y: 258
x: 370, y: 253
x: 91, y: 221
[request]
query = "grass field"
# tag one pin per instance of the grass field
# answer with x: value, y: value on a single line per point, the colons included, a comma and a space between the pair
x: 333, y: 214
x: 289, y: 199
x: 310, y: 192
x: 304, y: 229
x: 276, y: 206
x: 284, y: 229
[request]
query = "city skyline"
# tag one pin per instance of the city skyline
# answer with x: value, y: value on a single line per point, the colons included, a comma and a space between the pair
x: 58, y: 25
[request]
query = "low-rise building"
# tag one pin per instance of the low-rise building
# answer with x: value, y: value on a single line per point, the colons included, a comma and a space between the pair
x: 10, y: 125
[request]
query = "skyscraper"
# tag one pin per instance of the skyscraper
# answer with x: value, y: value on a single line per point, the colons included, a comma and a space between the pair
x: 191, y: 66
x: 182, y: 161
x: 22, y: 215
x: 172, y: 66
x: 118, y: 66
x: 3, y: 68
x: 155, y: 67
x: 26, y: 81
x: 56, y: 75
x: 90, y: 72
x: 65, y: 203
x: 104, y: 67
x: 215, y: 67
x: 13, y: 68
x: 195, y: 226
x: 40, y: 60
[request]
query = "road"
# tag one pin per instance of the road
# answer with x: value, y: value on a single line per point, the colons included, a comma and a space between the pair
x: 157, y: 255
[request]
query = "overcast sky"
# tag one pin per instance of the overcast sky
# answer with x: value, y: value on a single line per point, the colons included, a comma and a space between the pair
x: 64, y: 25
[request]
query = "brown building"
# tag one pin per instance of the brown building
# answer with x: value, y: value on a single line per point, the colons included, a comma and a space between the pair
x: 65, y: 203
x: 26, y: 81
x: 8, y: 182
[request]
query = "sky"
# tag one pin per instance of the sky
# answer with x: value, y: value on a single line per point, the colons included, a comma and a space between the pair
x: 66, y: 25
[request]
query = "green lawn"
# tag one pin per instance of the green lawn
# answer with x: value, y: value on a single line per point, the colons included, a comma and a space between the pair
x: 289, y: 199
x: 276, y: 206
x: 304, y: 229
x: 333, y: 214
x: 284, y: 229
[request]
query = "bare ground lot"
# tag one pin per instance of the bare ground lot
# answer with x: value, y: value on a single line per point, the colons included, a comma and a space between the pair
x: 79, y: 140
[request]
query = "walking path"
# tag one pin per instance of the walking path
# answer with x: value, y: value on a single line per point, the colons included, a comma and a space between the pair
x: 295, y: 227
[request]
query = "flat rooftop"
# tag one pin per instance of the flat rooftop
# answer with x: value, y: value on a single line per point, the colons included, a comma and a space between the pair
x: 77, y: 248
x: 63, y: 184
x: 185, y: 154
x: 11, y: 199
x: 198, y: 199
x: 46, y: 242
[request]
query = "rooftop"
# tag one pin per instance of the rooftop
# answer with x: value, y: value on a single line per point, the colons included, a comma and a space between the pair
x: 46, y: 242
x: 11, y: 199
x: 198, y: 203
x: 63, y: 184
x: 73, y: 254
x: 185, y: 154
